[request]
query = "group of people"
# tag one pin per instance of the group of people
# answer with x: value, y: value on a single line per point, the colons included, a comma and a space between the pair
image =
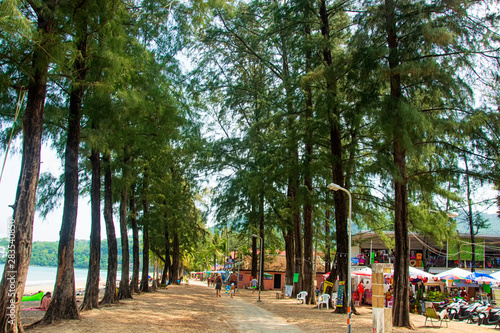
x: 232, y: 282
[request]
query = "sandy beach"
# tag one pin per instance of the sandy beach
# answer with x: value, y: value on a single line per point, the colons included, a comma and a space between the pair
x: 30, y: 290
x: 194, y: 308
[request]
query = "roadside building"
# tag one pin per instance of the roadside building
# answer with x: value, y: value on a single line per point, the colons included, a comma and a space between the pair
x: 425, y: 252
x: 274, y: 271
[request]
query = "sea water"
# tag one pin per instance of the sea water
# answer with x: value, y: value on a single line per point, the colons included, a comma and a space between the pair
x: 40, y: 276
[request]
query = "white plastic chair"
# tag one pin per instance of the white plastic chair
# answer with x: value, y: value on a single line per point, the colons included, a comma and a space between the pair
x: 334, y: 299
x: 301, y: 296
x: 323, y: 299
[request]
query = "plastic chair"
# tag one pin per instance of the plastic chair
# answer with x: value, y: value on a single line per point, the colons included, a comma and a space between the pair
x: 324, y: 299
x: 301, y: 296
x: 334, y: 299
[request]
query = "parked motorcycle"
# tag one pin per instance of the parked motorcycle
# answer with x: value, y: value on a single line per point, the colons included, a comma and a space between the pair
x: 455, y: 307
x: 443, y: 305
x: 464, y: 311
x: 489, y: 317
x: 474, y: 315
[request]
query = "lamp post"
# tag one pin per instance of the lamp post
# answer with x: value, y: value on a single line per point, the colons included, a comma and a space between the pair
x: 261, y: 260
x: 335, y: 187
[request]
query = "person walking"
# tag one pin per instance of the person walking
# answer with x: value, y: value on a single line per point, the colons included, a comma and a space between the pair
x: 233, y: 282
x: 254, y: 284
x: 232, y: 290
x: 218, y: 285
x: 361, y: 292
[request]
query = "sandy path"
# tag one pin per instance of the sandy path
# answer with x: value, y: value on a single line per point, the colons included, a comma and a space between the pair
x: 195, y: 308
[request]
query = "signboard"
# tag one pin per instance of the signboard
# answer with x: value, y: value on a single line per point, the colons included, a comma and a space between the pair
x: 295, y: 277
x: 496, y: 295
x: 327, y: 284
x: 340, y: 294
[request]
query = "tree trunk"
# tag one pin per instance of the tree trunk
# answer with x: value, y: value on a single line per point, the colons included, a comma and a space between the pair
x: 288, y: 232
x: 470, y: 217
x: 145, y: 260
x: 63, y: 304
x: 297, y: 224
x: 255, y: 257
x: 262, y: 239
x: 332, y: 277
x: 255, y: 249
x: 288, y: 237
x: 175, y: 260
x: 21, y: 230
x: 328, y: 260
x: 340, y: 199
x: 309, y: 270
x: 341, y: 208
x: 401, y: 317
x: 163, y: 281
x: 124, y: 288
x: 134, y: 286
x: 110, y: 296
x: 400, y: 312
x: 168, y: 263
x: 91, y: 298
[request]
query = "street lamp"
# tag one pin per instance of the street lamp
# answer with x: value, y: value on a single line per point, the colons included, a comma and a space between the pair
x: 335, y: 187
x: 261, y: 260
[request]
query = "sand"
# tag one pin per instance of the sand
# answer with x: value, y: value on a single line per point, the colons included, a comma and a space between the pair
x: 194, y: 308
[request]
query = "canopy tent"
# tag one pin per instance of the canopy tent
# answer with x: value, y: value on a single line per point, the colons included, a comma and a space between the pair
x: 416, y: 273
x: 476, y: 275
x: 453, y: 274
x: 367, y: 271
x: 482, y: 278
x: 496, y: 275
x: 413, y: 272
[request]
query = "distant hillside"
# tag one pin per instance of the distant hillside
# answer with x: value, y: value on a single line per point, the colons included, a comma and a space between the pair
x: 494, y: 228
x: 45, y: 253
